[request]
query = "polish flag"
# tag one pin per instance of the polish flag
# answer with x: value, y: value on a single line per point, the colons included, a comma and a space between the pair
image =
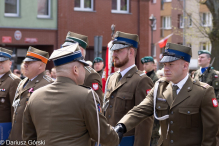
x: 109, y: 68
x: 162, y: 43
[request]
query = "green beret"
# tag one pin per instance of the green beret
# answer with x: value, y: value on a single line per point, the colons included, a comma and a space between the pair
x: 147, y: 59
x: 203, y: 52
x: 97, y: 59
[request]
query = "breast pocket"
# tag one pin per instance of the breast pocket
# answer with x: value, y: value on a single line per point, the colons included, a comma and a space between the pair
x: 189, y: 117
x: 162, y: 108
x: 124, y: 102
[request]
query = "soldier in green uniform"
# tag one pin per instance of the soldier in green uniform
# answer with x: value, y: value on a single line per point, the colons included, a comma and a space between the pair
x: 34, y: 68
x: 92, y: 78
x: 8, y: 86
x: 187, y: 110
x: 98, y: 65
x: 206, y: 73
x: 63, y: 113
x: 148, y: 64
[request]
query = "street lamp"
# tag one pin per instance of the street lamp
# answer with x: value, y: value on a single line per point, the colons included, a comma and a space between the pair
x: 152, y: 19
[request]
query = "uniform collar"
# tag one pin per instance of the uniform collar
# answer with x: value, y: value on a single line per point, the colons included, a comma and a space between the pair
x: 126, y: 70
x: 202, y: 70
x: 149, y: 73
x: 182, y: 82
x: 64, y: 79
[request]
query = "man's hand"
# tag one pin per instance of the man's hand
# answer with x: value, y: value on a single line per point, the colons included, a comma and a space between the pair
x: 120, y: 129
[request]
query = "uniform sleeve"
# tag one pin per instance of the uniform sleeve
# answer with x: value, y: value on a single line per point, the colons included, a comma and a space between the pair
x: 144, y: 130
x: 210, y: 118
x: 28, y: 128
x: 12, y: 91
x: 108, y: 136
x: 139, y: 113
x: 95, y: 78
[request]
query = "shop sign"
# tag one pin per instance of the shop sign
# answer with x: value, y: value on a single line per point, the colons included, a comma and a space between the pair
x: 30, y: 40
x: 17, y: 35
x: 6, y: 39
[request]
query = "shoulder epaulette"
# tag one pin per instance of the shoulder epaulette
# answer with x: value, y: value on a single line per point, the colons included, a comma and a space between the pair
x: 47, y: 78
x: 87, y: 69
x: 201, y: 84
x: 12, y: 76
x: 140, y: 73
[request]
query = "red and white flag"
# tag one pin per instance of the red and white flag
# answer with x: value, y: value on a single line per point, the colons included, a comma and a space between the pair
x: 162, y: 43
x: 109, y: 68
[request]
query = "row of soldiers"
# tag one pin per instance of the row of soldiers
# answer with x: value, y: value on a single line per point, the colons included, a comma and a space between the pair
x: 63, y: 113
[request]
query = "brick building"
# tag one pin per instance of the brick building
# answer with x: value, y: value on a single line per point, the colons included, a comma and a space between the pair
x: 95, y: 17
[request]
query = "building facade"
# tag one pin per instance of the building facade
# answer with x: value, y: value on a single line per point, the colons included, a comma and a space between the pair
x: 95, y: 17
x: 25, y: 23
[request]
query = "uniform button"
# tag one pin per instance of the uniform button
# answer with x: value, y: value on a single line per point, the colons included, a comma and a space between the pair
x: 171, y: 112
x: 14, y: 121
x: 112, y: 97
x: 16, y: 113
x: 109, y: 116
x: 171, y: 131
x: 158, y: 106
x: 171, y: 141
x: 171, y: 122
x: 188, y: 112
x: 111, y: 106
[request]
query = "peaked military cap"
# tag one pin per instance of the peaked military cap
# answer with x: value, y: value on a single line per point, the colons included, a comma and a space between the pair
x: 5, y: 54
x: 147, y: 59
x: 34, y: 54
x: 124, y: 40
x: 67, y: 54
x: 203, y: 52
x: 73, y: 38
x: 175, y: 52
x: 97, y: 59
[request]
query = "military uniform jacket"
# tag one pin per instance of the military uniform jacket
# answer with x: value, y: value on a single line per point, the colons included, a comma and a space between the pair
x: 129, y: 92
x: 154, y: 77
x: 100, y: 73
x: 210, y: 78
x: 8, y: 86
x: 67, y: 116
x: 193, y: 115
x: 23, y: 94
x: 93, y: 80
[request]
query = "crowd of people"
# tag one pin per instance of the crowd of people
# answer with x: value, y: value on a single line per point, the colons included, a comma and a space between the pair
x: 139, y: 108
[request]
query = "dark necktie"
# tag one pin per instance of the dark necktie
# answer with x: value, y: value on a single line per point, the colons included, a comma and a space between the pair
x: 118, y: 78
x: 26, y: 83
x: 175, y: 87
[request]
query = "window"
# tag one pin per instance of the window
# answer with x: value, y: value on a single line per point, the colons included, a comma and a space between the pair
x: 181, y: 21
x: 189, y: 20
x: 206, y: 19
x: 120, y: 6
x: 205, y: 46
x: 44, y: 9
x: 155, y: 24
x: 153, y: 1
x: 153, y: 51
x: 166, y: 22
x: 83, y: 5
x: 12, y: 8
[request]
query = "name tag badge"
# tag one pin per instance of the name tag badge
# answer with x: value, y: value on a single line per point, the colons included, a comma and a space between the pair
x: 161, y: 99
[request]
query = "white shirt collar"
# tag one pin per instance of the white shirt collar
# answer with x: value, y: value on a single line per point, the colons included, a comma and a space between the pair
x: 2, y: 75
x: 33, y: 78
x: 181, y: 83
x: 126, y: 70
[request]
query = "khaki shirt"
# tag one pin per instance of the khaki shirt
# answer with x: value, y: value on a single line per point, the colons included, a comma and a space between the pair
x: 8, y: 86
x: 210, y: 77
x: 193, y: 116
x: 93, y: 80
x: 129, y: 92
x: 67, y: 116
x: 23, y: 94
